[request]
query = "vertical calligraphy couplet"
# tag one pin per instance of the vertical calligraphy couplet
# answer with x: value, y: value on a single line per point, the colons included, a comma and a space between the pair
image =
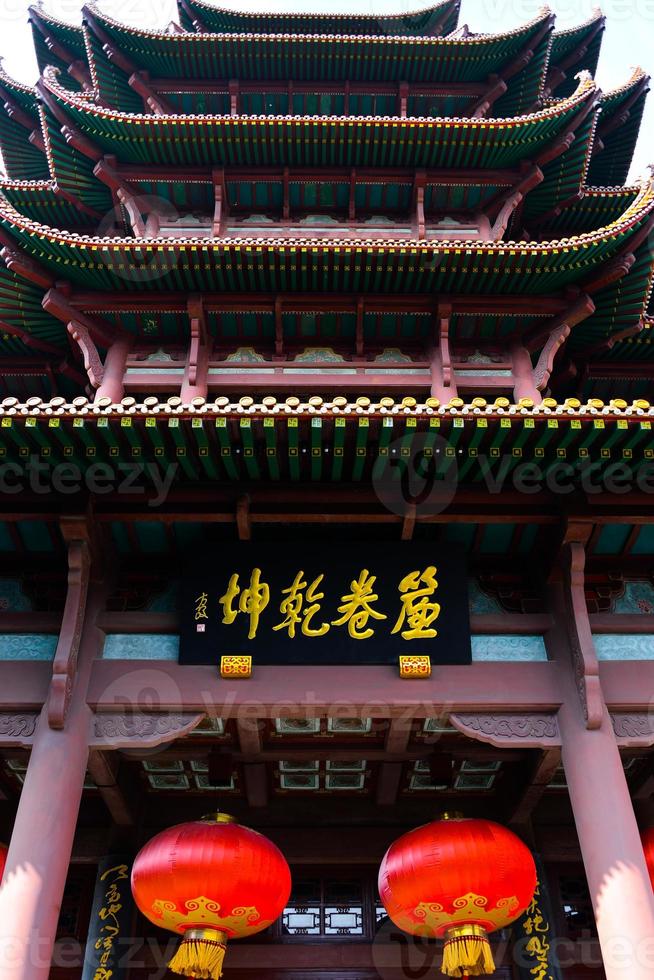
x: 111, y: 921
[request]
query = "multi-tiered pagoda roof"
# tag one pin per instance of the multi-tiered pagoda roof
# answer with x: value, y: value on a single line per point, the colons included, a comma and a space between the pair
x: 366, y: 209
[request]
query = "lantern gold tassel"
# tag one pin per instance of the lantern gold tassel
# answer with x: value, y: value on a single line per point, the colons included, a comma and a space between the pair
x: 467, y: 952
x: 201, y: 954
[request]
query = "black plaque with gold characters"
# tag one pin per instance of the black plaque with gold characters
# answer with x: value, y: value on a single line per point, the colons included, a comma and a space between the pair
x: 356, y: 603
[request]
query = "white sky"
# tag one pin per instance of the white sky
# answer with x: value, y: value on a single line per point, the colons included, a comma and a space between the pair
x: 628, y: 39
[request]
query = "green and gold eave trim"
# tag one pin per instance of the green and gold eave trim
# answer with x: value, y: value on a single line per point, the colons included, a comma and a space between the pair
x: 319, y: 140
x: 337, y: 440
x: 197, y: 15
x: 316, y: 265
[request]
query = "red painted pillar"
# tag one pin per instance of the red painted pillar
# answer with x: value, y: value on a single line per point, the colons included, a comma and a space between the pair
x: 608, y: 833
x: 523, y: 376
x: 40, y: 848
x: 610, y: 844
x: 113, y: 381
x: 42, y: 839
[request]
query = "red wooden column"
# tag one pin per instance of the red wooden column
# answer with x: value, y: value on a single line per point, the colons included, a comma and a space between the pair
x: 618, y: 881
x: 115, y: 366
x: 42, y: 839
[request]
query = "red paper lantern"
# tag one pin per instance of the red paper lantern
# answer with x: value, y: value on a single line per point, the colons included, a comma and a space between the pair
x: 210, y: 880
x: 458, y: 878
x: 647, y: 838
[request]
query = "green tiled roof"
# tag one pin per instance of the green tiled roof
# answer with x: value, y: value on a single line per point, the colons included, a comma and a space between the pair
x: 610, y: 166
x: 38, y: 200
x: 263, y: 56
x: 198, y: 14
x: 589, y: 35
x: 318, y: 140
x: 318, y: 265
x: 21, y: 159
x: 592, y: 208
x: 68, y: 38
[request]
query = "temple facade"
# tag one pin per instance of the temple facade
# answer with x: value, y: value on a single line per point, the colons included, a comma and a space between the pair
x: 326, y: 474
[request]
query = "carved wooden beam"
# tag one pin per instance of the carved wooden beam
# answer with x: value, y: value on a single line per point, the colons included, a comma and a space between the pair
x: 533, y: 731
x: 502, y: 205
x: 137, y: 729
x: 633, y: 729
x: 15, y: 112
x: 102, y: 333
x: 139, y: 81
x: 64, y: 666
x: 545, y: 362
x: 221, y: 208
x: 197, y: 361
x: 418, y: 203
x: 496, y: 87
x: 444, y: 316
x: 17, y: 729
x: 92, y: 361
x: 125, y: 194
x: 584, y: 657
x: 579, y: 309
x: 442, y: 380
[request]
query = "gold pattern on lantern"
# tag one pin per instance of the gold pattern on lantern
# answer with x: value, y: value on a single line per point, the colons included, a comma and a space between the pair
x: 467, y: 908
x: 203, y: 912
